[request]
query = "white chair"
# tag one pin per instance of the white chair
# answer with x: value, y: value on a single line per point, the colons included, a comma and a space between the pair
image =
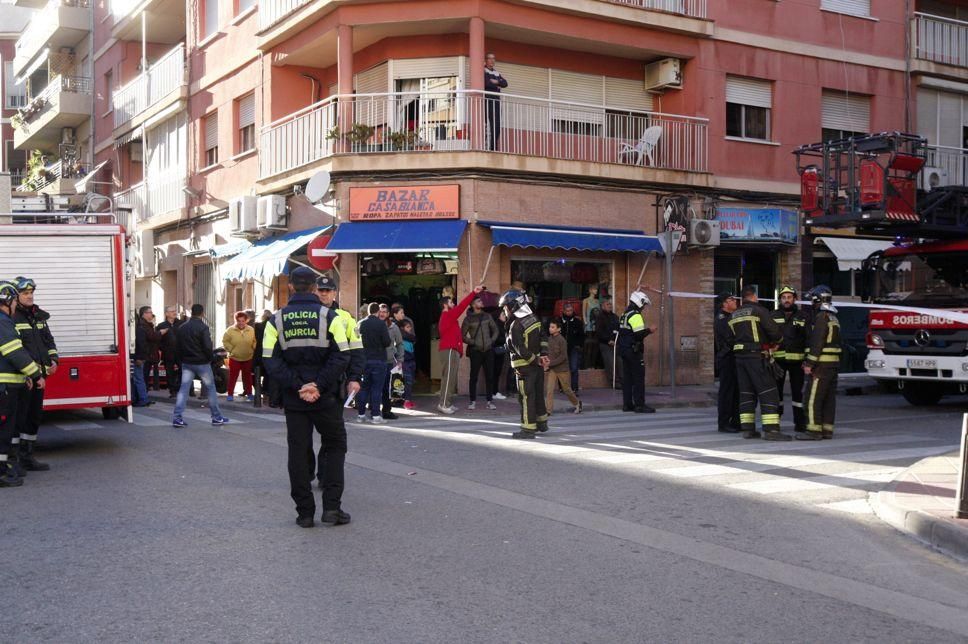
x: 644, y: 148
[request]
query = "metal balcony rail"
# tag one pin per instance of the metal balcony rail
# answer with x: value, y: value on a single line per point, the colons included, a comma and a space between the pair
x: 41, y: 21
x: 951, y: 162
x: 691, y: 8
x: 48, y: 97
x: 940, y: 40
x: 153, y: 197
x: 162, y: 78
x: 272, y: 11
x: 465, y: 120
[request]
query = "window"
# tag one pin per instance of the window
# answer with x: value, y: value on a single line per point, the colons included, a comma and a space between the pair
x: 109, y: 90
x: 211, y: 139
x: 748, y: 103
x: 210, y: 20
x: 844, y: 115
x: 245, y: 5
x: 14, y: 95
x: 246, y: 112
x: 853, y: 7
x: 15, y: 161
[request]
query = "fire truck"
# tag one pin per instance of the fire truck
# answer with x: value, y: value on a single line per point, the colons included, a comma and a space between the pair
x: 78, y: 263
x: 871, y: 183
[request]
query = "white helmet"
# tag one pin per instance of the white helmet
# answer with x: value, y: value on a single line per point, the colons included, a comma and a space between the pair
x: 639, y: 299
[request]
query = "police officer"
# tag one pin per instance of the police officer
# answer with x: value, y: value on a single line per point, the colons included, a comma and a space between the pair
x: 821, y: 367
x: 753, y: 332
x: 17, y: 371
x: 31, y: 323
x: 631, y: 332
x: 789, y: 356
x: 728, y: 402
x: 305, y: 351
x: 529, y: 357
x: 326, y: 289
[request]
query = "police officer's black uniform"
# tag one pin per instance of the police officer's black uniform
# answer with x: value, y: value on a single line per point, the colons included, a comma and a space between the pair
x: 304, y: 343
x: 728, y: 401
x: 823, y: 359
x: 789, y: 357
x: 631, y: 332
x: 526, y: 346
x: 753, y: 329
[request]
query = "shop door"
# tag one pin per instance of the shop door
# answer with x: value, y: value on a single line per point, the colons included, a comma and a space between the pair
x: 204, y: 293
x: 733, y: 270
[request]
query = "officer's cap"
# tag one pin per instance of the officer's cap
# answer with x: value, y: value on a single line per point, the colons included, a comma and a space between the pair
x: 302, y: 276
x: 325, y: 283
x: 727, y: 295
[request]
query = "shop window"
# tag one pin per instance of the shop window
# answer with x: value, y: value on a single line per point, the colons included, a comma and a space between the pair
x: 826, y: 271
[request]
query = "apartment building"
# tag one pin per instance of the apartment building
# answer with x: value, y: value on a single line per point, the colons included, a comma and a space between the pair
x: 620, y: 119
x: 13, y: 20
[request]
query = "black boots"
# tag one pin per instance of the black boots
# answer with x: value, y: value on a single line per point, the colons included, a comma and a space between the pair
x: 523, y: 434
x: 27, y: 459
x: 334, y: 517
x: 8, y: 475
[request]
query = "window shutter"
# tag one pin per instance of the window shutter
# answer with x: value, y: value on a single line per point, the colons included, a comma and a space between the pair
x: 578, y: 88
x: 855, y: 7
x: 523, y: 80
x: 627, y: 94
x: 749, y: 91
x: 372, y: 81
x: 247, y: 111
x: 211, y: 131
x: 426, y: 67
x: 847, y: 112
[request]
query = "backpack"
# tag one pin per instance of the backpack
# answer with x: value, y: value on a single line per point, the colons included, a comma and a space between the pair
x: 430, y: 266
x: 377, y: 266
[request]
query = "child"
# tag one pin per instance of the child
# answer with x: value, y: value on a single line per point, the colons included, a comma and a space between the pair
x: 557, y: 372
x: 409, y: 362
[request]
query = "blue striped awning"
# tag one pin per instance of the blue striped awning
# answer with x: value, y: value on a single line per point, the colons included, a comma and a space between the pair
x: 572, y: 239
x: 421, y: 236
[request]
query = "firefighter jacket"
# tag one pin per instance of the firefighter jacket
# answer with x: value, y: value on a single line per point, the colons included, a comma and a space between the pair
x: 824, y: 346
x: 723, y: 335
x: 354, y: 371
x: 793, y: 324
x: 16, y: 365
x: 305, y: 342
x: 753, y: 329
x: 632, y: 331
x: 525, y: 342
x: 32, y: 325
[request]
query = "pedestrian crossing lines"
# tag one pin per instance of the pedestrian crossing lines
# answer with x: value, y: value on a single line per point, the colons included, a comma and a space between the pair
x: 682, y: 445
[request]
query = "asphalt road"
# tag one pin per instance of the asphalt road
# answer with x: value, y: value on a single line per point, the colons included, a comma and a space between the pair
x: 613, y: 528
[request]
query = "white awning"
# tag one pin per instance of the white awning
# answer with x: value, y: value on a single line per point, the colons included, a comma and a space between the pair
x: 850, y: 251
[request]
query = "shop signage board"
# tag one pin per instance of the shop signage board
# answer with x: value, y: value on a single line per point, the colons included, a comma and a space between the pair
x: 390, y: 203
x: 758, y: 225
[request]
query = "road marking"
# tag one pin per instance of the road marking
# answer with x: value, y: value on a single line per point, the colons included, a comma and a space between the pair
x: 852, y: 506
x: 780, y: 485
x: 76, y: 425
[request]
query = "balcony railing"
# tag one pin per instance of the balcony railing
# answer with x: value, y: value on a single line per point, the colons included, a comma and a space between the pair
x: 40, y: 24
x: 162, y: 78
x: 953, y: 163
x: 691, y: 8
x: 153, y: 197
x: 49, y: 97
x: 462, y: 121
x: 272, y: 11
x: 940, y: 40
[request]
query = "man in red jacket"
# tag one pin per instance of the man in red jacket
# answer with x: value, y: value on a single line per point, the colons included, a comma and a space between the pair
x: 451, y: 346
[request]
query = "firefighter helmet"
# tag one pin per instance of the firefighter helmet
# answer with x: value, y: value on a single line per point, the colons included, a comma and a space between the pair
x: 24, y: 283
x: 817, y: 294
x: 788, y: 289
x: 512, y: 300
x: 639, y: 299
x: 8, y: 292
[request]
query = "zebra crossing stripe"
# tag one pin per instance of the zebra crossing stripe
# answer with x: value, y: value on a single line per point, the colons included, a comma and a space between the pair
x: 780, y: 485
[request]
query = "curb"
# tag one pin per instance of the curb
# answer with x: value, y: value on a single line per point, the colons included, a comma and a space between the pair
x: 933, y: 531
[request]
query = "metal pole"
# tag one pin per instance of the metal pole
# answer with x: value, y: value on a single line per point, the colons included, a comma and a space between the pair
x: 670, y: 318
x: 257, y: 386
x: 961, y: 500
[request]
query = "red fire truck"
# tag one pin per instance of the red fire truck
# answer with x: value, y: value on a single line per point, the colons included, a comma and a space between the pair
x: 870, y: 183
x: 79, y: 268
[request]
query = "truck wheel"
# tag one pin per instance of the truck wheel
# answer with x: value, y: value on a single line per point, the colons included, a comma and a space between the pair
x: 922, y: 394
x: 111, y: 413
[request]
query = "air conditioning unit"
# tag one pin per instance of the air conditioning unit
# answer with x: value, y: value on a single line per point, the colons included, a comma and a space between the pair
x: 243, y: 215
x: 663, y: 74
x: 703, y: 232
x: 933, y: 178
x: 271, y: 212
x: 144, y: 253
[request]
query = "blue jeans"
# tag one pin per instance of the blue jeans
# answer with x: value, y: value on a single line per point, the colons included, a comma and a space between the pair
x: 574, y: 362
x: 204, y: 373
x: 371, y: 389
x: 140, y: 388
x: 409, y: 373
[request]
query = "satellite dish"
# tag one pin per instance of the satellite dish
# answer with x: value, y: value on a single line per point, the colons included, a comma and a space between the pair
x: 317, y: 187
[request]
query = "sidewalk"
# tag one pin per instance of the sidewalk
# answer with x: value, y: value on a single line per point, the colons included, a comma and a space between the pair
x: 921, y: 502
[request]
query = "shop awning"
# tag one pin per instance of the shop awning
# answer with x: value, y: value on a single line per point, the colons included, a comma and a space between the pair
x: 221, y: 251
x: 850, y: 251
x: 572, y: 238
x: 267, y: 257
x: 423, y: 236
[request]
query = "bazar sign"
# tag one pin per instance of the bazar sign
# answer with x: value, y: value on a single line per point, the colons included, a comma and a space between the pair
x: 758, y: 224
x: 405, y: 202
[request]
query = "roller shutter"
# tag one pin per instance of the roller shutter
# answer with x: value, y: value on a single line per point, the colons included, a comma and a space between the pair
x: 426, y: 67
x: 749, y: 91
x: 846, y: 112
x: 853, y: 7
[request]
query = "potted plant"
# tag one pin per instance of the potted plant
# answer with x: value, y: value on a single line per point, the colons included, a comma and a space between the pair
x: 402, y: 140
x: 358, y: 136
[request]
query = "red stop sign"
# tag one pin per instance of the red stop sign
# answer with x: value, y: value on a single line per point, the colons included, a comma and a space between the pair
x: 318, y: 257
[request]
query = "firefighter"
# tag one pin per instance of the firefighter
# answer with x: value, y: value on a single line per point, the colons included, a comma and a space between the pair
x: 754, y: 331
x: 529, y: 357
x: 31, y: 323
x: 728, y: 401
x: 821, y: 366
x: 789, y: 356
x: 305, y: 351
x: 17, y: 371
x: 631, y: 332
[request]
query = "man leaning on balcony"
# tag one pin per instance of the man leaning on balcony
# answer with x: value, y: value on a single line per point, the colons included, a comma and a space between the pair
x: 493, y: 82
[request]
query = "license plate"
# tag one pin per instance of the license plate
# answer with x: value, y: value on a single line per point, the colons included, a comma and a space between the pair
x: 922, y: 364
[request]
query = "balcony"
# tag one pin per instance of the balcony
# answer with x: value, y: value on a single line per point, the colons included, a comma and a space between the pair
x: 150, y: 93
x: 66, y: 102
x: 950, y: 165
x: 154, y: 201
x: 938, y: 41
x: 62, y: 23
x: 164, y: 20
x: 690, y: 8
x: 457, y: 122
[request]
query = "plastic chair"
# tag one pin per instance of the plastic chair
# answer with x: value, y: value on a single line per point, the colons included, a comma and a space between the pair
x: 645, y: 146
